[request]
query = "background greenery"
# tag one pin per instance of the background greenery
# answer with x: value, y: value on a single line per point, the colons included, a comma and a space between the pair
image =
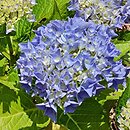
x: 18, y: 110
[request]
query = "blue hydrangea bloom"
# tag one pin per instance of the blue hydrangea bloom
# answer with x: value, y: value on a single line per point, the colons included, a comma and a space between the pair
x: 108, y: 12
x: 66, y: 62
x: 126, y: 10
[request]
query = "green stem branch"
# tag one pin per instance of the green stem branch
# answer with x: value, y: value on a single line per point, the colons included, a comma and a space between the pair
x: 10, y: 49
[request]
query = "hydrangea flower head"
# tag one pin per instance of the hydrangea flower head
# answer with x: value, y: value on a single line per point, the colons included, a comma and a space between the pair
x: 126, y: 10
x: 13, y: 10
x: 108, y: 12
x: 66, y: 62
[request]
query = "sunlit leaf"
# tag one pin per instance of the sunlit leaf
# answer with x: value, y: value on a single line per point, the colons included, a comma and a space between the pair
x: 17, y: 111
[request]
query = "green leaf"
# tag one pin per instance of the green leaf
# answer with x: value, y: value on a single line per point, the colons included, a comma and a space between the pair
x: 6, y: 55
x: 124, y: 35
x: 47, y: 10
x: 62, y: 5
x: 3, y: 62
x: 123, y: 99
x: 93, y: 114
x: 43, y: 9
x: 23, y: 29
x: 36, y: 115
x: 8, y: 84
x: 3, y: 44
x: 13, y: 76
x: 89, y: 115
x: 12, y: 115
x: 17, y: 111
x: 124, y: 47
x: 2, y: 30
x: 3, y: 66
x: 5, y: 80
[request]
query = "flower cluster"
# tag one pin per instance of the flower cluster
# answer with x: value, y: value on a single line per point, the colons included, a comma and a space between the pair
x: 67, y: 61
x: 12, y: 10
x: 108, y: 12
x: 127, y: 11
x: 124, y: 118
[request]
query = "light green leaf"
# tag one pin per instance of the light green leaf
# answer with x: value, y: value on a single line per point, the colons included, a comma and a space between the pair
x: 43, y: 9
x: 62, y: 5
x: 47, y: 10
x: 13, y: 76
x: 12, y: 115
x: 124, y: 47
x: 2, y: 62
x: 23, y: 28
x: 17, y: 111
x: 6, y: 82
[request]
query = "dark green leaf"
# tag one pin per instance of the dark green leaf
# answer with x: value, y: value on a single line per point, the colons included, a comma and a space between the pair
x: 3, y: 44
x: 2, y: 30
x: 93, y: 114
x: 123, y: 99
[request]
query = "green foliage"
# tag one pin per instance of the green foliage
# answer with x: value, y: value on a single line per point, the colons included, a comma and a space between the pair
x: 2, y: 30
x: 12, y: 116
x: 124, y: 35
x: 50, y: 9
x: 18, y: 111
x: 3, y: 44
x: 123, y: 46
x: 44, y: 10
x: 93, y: 114
x: 122, y: 42
x: 123, y: 99
x: 23, y: 29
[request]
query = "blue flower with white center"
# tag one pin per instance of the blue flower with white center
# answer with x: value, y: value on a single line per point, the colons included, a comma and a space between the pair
x: 108, y: 12
x: 126, y: 10
x: 66, y: 62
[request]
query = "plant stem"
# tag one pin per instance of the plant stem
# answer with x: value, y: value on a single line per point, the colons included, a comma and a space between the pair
x: 10, y: 50
x: 49, y: 127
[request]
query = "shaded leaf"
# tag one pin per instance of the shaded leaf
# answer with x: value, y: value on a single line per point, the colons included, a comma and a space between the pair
x: 2, y: 30
x: 89, y: 115
x: 17, y: 111
x: 3, y: 44
x: 123, y: 99
x: 93, y: 114
x: 12, y: 116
